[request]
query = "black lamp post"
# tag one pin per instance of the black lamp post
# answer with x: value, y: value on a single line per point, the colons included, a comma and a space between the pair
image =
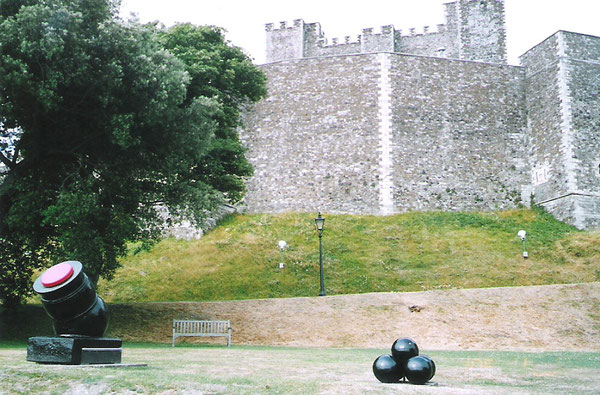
x: 320, y: 223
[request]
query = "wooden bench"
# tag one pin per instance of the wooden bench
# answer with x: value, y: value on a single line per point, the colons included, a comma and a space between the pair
x: 202, y: 329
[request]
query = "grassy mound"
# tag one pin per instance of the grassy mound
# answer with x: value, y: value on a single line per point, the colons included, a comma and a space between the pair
x: 410, y: 252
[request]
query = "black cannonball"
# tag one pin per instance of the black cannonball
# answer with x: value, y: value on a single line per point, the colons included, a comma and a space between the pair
x: 404, y: 349
x: 432, y: 365
x: 419, y: 370
x: 387, y: 370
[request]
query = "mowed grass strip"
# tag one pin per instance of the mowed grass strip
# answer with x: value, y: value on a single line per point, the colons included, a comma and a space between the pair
x: 411, y: 252
x: 279, y: 370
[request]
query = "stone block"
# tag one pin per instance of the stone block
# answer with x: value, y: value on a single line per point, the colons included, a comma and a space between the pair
x: 90, y: 356
x: 69, y: 350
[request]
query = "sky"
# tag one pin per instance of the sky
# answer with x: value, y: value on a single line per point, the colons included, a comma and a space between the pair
x: 528, y: 22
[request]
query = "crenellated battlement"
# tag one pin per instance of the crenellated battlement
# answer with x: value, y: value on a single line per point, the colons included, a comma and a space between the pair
x: 269, y: 27
x: 474, y: 30
x: 338, y: 41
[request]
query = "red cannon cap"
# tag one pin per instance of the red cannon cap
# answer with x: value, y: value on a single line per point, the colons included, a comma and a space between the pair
x: 57, y: 275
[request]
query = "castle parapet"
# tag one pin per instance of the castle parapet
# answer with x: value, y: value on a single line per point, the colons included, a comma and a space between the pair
x: 474, y: 30
x: 286, y: 42
x: 381, y: 42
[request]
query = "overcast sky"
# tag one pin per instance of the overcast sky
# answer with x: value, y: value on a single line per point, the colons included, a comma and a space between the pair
x: 528, y: 22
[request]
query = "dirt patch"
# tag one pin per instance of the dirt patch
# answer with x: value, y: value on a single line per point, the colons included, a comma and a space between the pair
x: 557, y: 317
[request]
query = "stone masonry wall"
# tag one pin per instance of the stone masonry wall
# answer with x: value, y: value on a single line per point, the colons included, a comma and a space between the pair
x: 438, y: 44
x: 354, y: 134
x: 384, y: 41
x: 459, y: 134
x: 482, y: 28
x: 545, y: 120
x: 313, y: 141
x: 563, y: 86
x: 315, y: 43
x: 583, y: 57
x: 286, y: 42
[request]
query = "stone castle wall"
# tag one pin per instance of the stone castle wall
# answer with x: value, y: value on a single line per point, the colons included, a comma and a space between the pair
x: 545, y: 119
x: 312, y: 141
x: 390, y: 122
x: 438, y: 44
x: 583, y: 54
x: 386, y: 133
x: 563, y: 99
x: 459, y: 134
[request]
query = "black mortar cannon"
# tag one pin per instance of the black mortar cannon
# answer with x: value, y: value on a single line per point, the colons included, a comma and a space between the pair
x: 79, y: 317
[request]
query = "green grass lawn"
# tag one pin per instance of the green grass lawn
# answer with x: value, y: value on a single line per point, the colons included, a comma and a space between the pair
x: 279, y: 370
x: 410, y: 252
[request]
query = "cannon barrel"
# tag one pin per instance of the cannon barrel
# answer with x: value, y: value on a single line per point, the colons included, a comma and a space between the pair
x: 69, y: 298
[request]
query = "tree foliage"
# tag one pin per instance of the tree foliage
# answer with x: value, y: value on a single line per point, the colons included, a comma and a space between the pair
x: 110, y: 125
x: 224, y: 73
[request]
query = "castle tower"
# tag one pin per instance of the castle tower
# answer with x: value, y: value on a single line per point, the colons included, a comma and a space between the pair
x: 384, y: 42
x: 480, y: 30
x: 286, y: 42
x: 563, y: 102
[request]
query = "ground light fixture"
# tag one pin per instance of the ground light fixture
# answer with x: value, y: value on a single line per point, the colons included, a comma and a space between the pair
x: 282, y: 247
x: 523, y: 236
x: 320, y: 224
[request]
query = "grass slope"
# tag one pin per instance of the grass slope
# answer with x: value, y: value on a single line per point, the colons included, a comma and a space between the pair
x: 409, y: 252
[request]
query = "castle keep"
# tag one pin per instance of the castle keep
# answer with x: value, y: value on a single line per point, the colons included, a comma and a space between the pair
x: 394, y: 122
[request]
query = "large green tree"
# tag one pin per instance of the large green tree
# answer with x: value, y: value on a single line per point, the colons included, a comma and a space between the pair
x: 108, y: 129
x: 225, y: 74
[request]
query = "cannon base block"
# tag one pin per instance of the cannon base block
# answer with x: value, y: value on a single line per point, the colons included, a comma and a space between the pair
x: 74, y: 350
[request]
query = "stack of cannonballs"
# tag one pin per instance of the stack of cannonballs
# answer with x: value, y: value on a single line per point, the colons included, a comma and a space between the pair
x: 405, y: 362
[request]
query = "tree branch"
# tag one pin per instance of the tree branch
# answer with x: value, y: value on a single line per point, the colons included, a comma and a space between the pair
x: 7, y: 162
x: 15, y: 155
